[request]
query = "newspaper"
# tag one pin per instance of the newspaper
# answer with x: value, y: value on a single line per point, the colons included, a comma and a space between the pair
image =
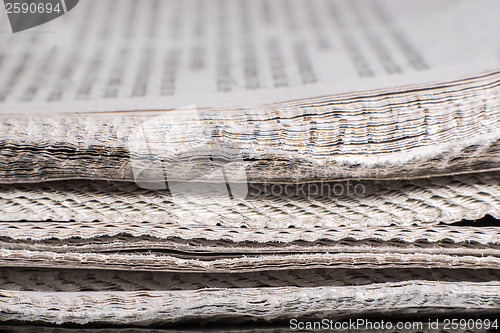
x: 328, y: 150
x: 151, y: 54
x: 300, y: 90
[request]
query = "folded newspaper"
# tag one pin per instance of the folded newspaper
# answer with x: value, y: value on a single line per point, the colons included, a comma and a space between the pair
x: 164, y: 162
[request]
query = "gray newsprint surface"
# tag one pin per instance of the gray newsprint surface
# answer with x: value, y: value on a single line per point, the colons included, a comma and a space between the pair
x: 256, y: 162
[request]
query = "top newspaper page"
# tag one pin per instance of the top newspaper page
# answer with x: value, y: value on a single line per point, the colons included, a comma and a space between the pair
x: 157, y: 55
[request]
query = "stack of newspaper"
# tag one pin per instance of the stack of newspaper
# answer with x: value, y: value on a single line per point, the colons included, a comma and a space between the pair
x: 164, y: 162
